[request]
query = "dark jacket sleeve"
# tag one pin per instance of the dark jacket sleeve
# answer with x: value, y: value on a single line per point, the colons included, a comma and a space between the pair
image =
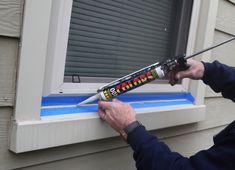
x: 221, y: 78
x: 151, y: 154
x: 221, y: 155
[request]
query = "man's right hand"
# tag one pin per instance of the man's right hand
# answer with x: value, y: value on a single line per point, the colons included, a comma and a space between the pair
x: 195, y: 71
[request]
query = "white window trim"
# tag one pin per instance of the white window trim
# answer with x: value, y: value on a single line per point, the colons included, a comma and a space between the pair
x: 31, y: 132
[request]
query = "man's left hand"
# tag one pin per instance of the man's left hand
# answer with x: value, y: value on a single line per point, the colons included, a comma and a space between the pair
x: 117, y: 114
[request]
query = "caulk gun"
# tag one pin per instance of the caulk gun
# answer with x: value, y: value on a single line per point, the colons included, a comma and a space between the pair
x: 144, y: 76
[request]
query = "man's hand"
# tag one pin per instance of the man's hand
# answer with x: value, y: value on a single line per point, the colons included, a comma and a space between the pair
x: 117, y: 114
x: 195, y: 71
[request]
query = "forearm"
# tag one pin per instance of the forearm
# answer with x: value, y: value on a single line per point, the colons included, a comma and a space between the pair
x: 221, y: 78
x: 151, y: 154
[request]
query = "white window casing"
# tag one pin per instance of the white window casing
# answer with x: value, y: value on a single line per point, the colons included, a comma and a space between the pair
x: 41, y: 69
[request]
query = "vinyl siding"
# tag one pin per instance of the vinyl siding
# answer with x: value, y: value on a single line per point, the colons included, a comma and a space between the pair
x: 11, y: 17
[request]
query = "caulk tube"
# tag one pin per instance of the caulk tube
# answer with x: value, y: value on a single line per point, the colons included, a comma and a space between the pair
x: 127, y: 83
x: 130, y: 82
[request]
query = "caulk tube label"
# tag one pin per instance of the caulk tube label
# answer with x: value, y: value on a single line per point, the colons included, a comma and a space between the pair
x: 103, y: 97
x: 133, y: 81
x: 160, y: 72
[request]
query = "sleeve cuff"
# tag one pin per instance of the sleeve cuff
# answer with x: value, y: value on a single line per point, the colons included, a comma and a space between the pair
x: 208, y: 69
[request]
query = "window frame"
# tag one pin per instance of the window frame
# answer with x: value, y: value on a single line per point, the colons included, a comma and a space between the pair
x: 54, y: 77
x: 30, y: 132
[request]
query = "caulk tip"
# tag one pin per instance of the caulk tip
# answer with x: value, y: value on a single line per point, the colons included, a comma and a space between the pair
x: 90, y: 99
x: 80, y: 104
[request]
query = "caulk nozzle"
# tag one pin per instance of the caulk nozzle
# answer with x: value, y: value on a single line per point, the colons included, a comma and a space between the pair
x: 90, y: 99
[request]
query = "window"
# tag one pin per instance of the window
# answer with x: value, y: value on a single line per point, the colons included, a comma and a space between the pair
x: 106, y: 40
x: 110, y: 39
x: 45, y: 38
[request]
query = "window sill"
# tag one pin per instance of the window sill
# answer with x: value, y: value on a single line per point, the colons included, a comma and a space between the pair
x: 66, y: 105
x: 58, y: 130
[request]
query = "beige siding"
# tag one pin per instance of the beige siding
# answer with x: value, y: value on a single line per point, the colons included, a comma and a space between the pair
x: 110, y: 153
x: 121, y: 159
x: 8, y: 62
x: 225, y: 53
x: 10, y: 17
x: 225, y: 18
x: 118, y: 159
x: 225, y: 29
x: 5, y: 160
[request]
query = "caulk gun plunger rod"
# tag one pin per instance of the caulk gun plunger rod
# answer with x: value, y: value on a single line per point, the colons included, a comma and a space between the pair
x: 210, y: 48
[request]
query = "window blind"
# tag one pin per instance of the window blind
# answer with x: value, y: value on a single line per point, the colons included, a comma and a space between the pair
x: 112, y: 38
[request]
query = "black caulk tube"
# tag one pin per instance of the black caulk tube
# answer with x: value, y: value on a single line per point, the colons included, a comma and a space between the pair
x: 127, y: 83
x: 131, y: 82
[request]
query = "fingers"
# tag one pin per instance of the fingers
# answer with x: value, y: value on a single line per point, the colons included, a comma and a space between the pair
x: 102, y: 114
x: 183, y: 74
x: 195, y: 72
x: 105, y: 115
x: 105, y: 105
x: 172, y: 78
x: 104, y: 109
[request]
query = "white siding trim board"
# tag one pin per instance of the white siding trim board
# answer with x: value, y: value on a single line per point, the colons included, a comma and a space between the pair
x: 48, y: 132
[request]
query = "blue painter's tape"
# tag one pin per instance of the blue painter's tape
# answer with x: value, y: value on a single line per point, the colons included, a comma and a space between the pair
x: 87, y: 109
x: 62, y: 100
x: 131, y: 97
x: 141, y: 101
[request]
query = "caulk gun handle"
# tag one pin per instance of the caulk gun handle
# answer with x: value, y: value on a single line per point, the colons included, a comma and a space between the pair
x: 182, y: 64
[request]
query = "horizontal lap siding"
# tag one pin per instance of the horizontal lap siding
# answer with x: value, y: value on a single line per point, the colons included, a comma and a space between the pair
x: 10, y: 26
x: 225, y: 29
x: 8, y: 65
x: 10, y: 17
x: 226, y: 17
x: 121, y: 159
